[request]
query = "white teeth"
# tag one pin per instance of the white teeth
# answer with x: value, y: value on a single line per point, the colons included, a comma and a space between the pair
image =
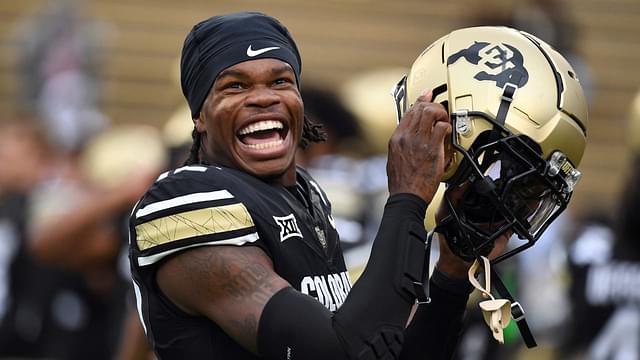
x: 267, y: 145
x: 260, y: 126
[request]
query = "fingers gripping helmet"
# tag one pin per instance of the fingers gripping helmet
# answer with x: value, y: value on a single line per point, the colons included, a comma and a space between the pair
x: 519, y: 121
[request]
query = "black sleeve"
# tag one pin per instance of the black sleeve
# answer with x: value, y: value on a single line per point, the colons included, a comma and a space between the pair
x: 436, y: 327
x: 295, y: 326
x: 370, y: 323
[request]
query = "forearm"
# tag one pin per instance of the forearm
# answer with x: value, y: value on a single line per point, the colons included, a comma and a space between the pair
x: 85, y: 230
x: 373, y: 316
x: 397, y: 251
x: 435, y: 329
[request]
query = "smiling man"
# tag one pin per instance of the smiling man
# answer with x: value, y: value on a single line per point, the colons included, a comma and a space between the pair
x: 262, y: 133
x: 236, y: 256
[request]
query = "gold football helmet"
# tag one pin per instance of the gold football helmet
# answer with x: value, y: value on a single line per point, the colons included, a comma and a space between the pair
x: 519, y: 120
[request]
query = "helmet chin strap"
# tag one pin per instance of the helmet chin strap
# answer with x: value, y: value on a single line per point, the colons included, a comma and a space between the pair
x: 498, y: 313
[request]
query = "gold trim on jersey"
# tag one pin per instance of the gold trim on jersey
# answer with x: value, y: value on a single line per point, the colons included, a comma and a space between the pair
x: 193, y: 223
x: 236, y: 241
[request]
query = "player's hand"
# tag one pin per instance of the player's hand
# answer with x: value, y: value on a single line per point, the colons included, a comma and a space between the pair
x: 417, y: 152
x: 449, y: 263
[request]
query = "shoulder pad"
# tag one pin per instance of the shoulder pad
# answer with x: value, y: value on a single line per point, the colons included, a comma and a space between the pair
x: 186, y: 207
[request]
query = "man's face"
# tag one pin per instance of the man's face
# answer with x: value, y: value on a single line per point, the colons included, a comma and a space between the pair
x: 253, y: 119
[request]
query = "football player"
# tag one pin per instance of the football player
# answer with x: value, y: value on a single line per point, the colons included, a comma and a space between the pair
x: 235, y: 255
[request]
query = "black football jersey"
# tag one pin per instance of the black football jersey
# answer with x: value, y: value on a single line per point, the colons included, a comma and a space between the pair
x: 212, y: 206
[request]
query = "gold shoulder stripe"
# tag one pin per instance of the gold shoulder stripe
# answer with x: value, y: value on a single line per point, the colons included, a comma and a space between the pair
x: 193, y: 223
x: 235, y: 241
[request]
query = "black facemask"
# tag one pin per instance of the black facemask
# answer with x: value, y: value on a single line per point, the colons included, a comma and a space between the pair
x: 507, y: 192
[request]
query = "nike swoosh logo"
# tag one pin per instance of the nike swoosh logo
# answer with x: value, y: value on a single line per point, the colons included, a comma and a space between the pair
x: 252, y: 53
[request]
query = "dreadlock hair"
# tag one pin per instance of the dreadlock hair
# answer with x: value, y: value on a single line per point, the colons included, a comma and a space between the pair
x: 311, y: 133
x: 194, y: 152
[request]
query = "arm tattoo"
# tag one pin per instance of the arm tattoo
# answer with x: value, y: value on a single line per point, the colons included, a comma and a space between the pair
x: 244, y: 276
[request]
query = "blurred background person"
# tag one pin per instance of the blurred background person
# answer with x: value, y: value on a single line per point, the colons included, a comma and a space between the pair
x: 605, y: 272
x: 67, y: 292
x: 76, y: 232
x: 60, y: 63
x: 367, y: 96
x: 25, y: 160
x: 337, y: 162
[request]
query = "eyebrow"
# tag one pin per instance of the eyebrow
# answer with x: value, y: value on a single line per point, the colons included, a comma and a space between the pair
x: 281, y: 69
x: 225, y: 73
x: 240, y: 74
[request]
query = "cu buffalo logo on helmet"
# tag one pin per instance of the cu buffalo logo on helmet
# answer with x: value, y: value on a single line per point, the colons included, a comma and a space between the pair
x: 499, y: 62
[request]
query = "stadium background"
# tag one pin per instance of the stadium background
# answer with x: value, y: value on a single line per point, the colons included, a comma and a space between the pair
x: 339, y: 39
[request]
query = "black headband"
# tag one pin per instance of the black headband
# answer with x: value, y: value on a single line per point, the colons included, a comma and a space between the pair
x: 223, y: 41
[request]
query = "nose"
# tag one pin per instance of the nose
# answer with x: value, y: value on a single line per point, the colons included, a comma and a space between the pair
x: 262, y: 96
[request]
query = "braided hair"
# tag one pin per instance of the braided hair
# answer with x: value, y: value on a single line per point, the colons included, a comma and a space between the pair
x: 311, y: 133
x: 194, y: 152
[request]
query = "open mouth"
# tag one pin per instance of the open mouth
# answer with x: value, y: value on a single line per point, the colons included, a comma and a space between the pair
x: 262, y: 135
